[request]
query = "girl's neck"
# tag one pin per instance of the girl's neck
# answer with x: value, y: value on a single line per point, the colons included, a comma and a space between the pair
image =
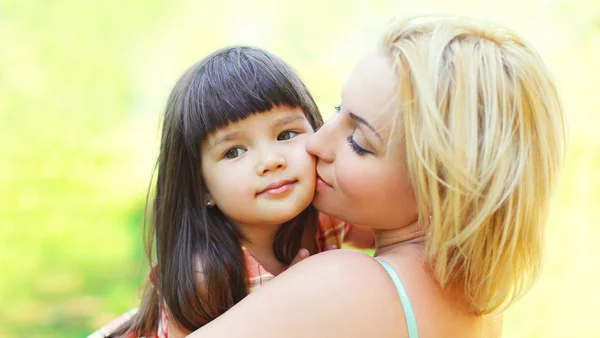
x: 388, y: 239
x: 259, y: 241
x: 259, y: 238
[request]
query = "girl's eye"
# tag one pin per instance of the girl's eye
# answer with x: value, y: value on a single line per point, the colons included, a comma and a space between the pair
x: 360, y: 151
x: 286, y: 135
x: 234, y: 152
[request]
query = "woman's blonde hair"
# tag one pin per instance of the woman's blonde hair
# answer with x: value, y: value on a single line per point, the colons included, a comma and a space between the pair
x: 483, y: 131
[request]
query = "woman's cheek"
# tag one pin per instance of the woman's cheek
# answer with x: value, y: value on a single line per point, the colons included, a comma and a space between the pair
x: 359, y: 183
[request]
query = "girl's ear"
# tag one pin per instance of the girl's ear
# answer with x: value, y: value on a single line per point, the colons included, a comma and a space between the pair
x: 209, y: 201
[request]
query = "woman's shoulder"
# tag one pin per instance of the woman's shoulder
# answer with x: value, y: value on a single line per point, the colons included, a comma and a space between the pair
x: 356, y: 286
x: 355, y: 269
x: 337, y: 266
x: 439, y: 311
x: 342, y: 293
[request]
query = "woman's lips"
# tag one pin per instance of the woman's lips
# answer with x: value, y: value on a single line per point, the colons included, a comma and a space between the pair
x: 321, y: 184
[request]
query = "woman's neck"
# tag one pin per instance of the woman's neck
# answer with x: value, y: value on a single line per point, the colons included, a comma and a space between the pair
x: 387, y: 239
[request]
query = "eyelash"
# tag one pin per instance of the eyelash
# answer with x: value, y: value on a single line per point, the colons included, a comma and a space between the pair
x: 288, y: 131
x: 360, y: 151
x: 227, y: 152
x: 294, y: 132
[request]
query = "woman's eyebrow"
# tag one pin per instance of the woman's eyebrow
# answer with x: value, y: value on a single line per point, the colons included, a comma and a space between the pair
x: 362, y: 121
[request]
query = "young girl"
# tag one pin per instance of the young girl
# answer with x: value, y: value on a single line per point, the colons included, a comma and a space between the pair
x: 234, y: 190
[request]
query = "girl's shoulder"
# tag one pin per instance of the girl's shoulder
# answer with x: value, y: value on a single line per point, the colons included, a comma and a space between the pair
x: 330, y: 232
x: 327, y: 223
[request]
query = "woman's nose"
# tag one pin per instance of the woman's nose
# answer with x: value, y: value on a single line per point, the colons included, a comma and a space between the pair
x: 321, y: 143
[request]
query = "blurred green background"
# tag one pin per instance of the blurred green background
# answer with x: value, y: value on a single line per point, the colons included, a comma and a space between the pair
x: 82, y: 85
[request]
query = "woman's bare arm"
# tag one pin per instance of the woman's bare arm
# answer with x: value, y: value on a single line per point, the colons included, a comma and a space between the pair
x: 333, y: 294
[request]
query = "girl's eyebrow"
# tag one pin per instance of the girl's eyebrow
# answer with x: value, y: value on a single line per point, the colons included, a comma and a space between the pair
x: 223, y: 139
x: 282, y: 121
x: 235, y: 134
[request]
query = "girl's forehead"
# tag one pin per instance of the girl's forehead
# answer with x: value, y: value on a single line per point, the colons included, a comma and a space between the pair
x: 275, y: 117
x: 279, y: 117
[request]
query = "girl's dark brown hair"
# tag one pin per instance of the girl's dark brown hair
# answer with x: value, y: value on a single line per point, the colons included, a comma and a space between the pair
x: 227, y: 86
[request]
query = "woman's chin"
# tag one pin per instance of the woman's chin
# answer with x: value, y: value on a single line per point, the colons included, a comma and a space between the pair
x: 325, y: 204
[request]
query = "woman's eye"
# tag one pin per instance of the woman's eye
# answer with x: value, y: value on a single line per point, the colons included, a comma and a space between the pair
x: 286, y: 135
x: 234, y: 152
x: 360, y: 151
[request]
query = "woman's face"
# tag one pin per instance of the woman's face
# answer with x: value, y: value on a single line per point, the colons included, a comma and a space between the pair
x: 356, y: 181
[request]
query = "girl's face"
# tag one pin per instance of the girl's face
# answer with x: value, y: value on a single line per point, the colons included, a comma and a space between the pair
x: 257, y: 170
x: 356, y: 181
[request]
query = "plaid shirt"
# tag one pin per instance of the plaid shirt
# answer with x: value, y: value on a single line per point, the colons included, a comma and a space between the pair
x: 330, y: 231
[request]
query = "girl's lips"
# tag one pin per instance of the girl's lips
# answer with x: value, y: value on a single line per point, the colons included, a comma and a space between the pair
x: 277, y: 188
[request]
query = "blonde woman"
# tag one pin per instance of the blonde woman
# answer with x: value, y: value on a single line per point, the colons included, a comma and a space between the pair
x: 447, y: 144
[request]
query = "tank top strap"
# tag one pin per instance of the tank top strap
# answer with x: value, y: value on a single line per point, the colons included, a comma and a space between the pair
x: 411, y: 322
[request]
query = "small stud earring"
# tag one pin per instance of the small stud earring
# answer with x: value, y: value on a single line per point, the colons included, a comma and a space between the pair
x: 209, y: 203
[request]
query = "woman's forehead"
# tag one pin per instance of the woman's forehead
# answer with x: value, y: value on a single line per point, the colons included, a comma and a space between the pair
x: 369, y: 92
